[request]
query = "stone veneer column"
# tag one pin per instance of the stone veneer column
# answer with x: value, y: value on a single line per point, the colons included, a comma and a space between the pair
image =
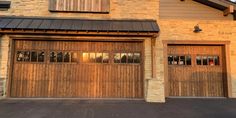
x: 154, y: 87
x: 4, y: 55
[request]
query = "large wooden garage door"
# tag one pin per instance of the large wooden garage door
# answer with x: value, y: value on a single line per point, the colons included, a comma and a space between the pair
x: 77, y: 69
x: 196, y: 71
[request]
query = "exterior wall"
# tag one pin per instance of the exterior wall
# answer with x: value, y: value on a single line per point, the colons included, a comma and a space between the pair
x: 119, y: 9
x: 212, y: 31
x: 177, y: 20
x: 4, y: 51
x: 188, y: 9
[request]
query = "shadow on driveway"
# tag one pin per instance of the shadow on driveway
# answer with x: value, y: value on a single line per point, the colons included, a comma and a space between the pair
x: 173, y: 108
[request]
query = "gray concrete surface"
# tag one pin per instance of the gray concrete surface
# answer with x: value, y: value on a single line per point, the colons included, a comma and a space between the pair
x: 173, y: 108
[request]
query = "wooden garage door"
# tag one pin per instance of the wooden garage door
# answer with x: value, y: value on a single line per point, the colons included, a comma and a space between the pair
x: 196, y: 70
x: 77, y: 69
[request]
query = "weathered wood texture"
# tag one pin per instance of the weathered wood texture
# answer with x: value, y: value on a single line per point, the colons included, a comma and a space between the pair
x: 197, y: 80
x: 77, y: 80
x: 80, y: 5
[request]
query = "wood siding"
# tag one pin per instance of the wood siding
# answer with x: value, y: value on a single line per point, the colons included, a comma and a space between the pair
x: 197, y: 80
x: 79, y: 5
x: 77, y: 80
x: 188, y: 9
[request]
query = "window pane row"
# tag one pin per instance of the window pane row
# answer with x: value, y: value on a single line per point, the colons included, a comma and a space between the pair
x: 30, y: 56
x: 127, y: 58
x: 179, y: 60
x: 95, y: 57
x: 63, y: 57
x: 208, y: 60
x: 74, y: 57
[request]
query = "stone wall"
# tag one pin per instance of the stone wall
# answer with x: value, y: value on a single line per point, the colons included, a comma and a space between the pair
x: 119, y: 9
x: 212, y: 31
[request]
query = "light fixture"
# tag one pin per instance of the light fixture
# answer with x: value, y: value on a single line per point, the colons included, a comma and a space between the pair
x: 197, y: 29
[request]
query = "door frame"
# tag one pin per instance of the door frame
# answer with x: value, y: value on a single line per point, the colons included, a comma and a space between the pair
x: 12, y: 39
x: 226, y: 45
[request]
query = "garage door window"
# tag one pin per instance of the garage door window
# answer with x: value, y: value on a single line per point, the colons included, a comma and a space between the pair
x: 207, y: 60
x: 127, y: 58
x: 34, y: 56
x: 105, y: 58
x: 95, y: 57
x: 179, y: 60
x: 63, y: 57
x: 29, y: 56
x: 123, y: 58
x: 98, y: 57
x: 217, y: 60
x: 74, y: 57
x: 59, y: 57
x: 137, y: 57
x: 117, y: 58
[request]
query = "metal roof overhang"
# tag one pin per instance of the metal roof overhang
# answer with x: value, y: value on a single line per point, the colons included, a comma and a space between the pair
x: 48, y: 26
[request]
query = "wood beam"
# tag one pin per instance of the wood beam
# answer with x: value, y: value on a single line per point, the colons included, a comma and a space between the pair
x: 79, y: 33
x: 229, y: 10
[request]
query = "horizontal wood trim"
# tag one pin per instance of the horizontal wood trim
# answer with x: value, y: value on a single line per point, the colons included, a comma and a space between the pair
x: 52, y: 32
x: 87, y: 38
x: 79, y: 5
x: 205, y: 42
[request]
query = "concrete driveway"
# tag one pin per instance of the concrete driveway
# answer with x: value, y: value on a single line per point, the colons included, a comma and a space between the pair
x: 173, y: 108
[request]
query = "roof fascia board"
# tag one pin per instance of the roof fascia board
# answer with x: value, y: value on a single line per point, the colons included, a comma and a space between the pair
x: 223, y: 3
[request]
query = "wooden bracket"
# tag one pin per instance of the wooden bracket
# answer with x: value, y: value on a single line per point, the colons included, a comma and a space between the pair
x: 229, y: 10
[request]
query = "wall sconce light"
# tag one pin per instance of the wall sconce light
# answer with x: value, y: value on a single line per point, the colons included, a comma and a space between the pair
x: 197, y: 29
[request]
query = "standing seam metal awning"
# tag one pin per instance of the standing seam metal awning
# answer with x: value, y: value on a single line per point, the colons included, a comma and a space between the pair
x: 26, y: 23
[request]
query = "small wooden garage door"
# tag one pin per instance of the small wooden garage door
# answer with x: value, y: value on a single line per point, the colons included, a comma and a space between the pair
x: 77, y: 69
x: 196, y: 70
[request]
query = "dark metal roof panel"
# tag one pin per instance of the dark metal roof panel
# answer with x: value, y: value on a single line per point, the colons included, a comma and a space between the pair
x: 96, y: 25
x: 155, y: 26
x: 4, y: 22
x: 137, y: 26
x: 56, y: 24
x: 148, y: 26
x: 14, y: 23
x: 35, y: 24
x: 45, y: 24
x: 87, y: 26
x: 66, y: 25
x: 104, y: 26
x: 79, y: 24
x: 25, y: 23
